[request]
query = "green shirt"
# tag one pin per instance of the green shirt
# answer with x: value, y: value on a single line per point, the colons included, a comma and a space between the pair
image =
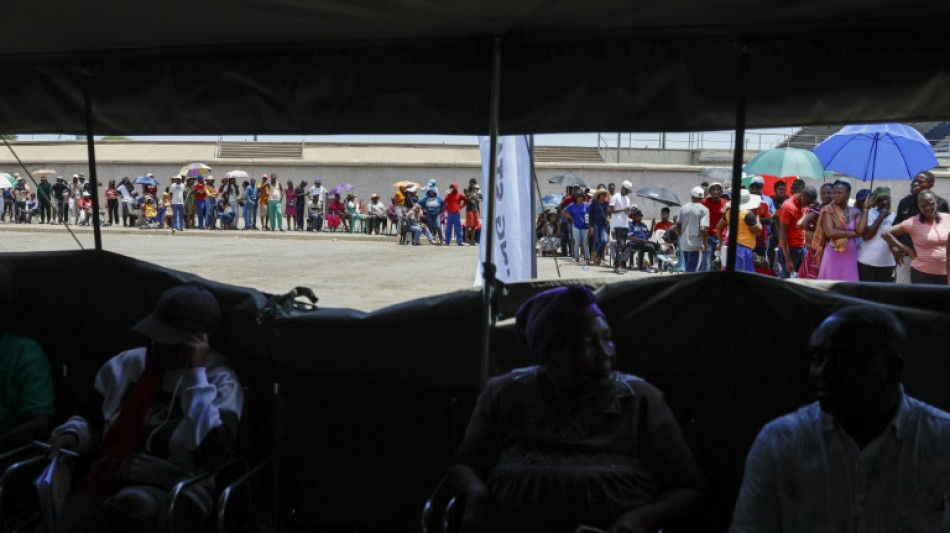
x: 26, y: 387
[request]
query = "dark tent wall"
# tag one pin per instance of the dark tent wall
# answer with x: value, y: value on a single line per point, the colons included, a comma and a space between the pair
x: 372, y: 404
x: 326, y: 66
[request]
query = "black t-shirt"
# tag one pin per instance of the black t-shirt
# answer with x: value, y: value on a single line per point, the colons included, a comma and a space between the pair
x: 59, y: 189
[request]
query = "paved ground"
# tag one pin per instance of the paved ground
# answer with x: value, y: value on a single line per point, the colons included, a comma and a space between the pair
x: 358, y: 271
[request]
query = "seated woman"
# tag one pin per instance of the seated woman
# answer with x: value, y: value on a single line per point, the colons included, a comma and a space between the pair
x: 416, y: 224
x: 550, y: 239
x: 335, y: 212
x: 149, y: 212
x: 225, y: 211
x: 571, y: 442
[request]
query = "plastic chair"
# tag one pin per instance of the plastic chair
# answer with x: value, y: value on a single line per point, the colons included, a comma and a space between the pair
x: 354, y: 219
x: 441, y: 511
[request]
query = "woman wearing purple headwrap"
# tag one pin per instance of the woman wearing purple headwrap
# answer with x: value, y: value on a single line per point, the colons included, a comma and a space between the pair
x: 572, y: 442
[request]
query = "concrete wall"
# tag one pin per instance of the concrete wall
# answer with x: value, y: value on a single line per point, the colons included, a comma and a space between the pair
x: 377, y: 176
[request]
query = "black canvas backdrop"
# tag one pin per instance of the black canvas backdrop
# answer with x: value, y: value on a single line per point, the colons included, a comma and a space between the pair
x: 655, y: 79
x: 372, y: 404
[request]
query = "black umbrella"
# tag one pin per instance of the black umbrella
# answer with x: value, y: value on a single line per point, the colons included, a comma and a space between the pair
x: 568, y: 179
x: 659, y: 194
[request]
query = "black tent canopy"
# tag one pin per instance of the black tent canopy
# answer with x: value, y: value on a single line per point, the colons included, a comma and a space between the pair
x: 424, y: 66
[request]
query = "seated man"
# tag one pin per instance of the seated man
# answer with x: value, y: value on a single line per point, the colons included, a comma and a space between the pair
x: 865, y: 456
x: 85, y: 209
x: 157, y: 414
x: 26, y: 387
x: 639, y: 241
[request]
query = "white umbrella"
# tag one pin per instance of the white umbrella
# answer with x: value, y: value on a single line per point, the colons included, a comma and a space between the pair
x: 44, y: 172
x: 237, y: 174
x: 7, y: 181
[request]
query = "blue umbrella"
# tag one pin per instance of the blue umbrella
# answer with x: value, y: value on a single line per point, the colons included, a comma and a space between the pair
x: 877, y: 151
x: 145, y: 180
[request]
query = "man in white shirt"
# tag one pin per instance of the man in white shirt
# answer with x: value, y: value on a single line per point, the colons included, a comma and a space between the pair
x: 692, y: 226
x: 319, y: 194
x: 619, y: 222
x: 865, y: 457
x: 875, y: 260
x: 177, y: 190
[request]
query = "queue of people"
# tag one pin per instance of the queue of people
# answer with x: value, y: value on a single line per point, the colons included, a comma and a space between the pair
x: 826, y: 236
x: 269, y: 205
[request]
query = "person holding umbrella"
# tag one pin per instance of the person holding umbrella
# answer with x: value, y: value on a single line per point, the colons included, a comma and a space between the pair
x: 928, y: 231
x: 875, y: 262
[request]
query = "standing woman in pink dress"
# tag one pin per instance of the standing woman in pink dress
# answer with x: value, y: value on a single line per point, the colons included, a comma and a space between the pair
x: 290, y: 206
x: 841, y: 225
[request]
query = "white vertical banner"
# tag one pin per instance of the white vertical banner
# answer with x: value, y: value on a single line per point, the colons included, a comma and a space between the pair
x: 513, y: 240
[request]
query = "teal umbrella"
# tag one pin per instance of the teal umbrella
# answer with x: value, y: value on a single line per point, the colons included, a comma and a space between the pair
x: 782, y: 162
x: 7, y: 181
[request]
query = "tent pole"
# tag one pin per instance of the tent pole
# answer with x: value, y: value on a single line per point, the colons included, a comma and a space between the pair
x: 738, y: 152
x: 93, y: 177
x: 535, y: 198
x: 488, y: 225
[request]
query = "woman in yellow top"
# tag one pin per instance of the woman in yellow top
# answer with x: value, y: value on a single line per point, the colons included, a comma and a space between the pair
x: 749, y: 229
x: 264, y: 191
x: 211, y: 203
x: 148, y: 209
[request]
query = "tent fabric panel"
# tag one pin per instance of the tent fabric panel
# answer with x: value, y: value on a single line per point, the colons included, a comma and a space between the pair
x: 613, y: 83
x: 360, y: 425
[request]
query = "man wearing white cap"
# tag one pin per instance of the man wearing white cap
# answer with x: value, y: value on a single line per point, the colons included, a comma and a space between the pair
x: 692, y: 226
x: 620, y: 221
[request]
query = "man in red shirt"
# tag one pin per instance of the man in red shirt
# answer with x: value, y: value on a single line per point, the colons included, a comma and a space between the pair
x: 791, y: 238
x: 665, y: 223
x: 566, y: 237
x: 715, y: 203
x: 454, y: 201
x: 200, y: 196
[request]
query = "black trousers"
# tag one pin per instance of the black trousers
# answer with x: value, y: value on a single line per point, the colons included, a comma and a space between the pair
x: 113, y: 207
x: 61, y: 210
x: 875, y: 274
x: 922, y: 278
x: 620, y: 245
x: 46, y: 211
x: 639, y: 248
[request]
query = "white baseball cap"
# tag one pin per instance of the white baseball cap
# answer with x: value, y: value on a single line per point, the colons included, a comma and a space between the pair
x: 627, y: 185
x: 697, y: 192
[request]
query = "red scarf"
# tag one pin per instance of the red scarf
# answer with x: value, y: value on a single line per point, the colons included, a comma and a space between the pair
x: 126, y: 433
